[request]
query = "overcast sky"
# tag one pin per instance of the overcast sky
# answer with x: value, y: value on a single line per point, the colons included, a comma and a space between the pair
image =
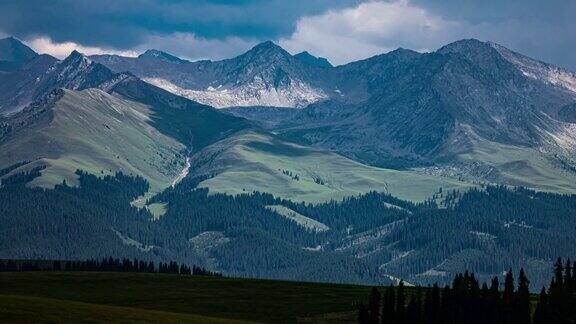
x: 340, y: 30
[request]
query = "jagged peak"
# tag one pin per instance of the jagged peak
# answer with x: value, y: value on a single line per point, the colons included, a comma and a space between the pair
x: 465, y: 45
x: 267, y: 47
x: 12, y: 49
x: 161, y: 55
x: 75, y: 55
x: 267, y: 44
x: 400, y: 51
x: 12, y: 40
x: 310, y: 59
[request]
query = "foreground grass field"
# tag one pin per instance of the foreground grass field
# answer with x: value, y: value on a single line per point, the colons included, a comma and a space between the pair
x: 136, y: 298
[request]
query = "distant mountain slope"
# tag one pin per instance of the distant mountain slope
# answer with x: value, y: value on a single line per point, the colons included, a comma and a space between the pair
x: 20, y: 87
x: 163, y: 56
x: 455, y: 112
x: 266, y: 75
x: 44, y: 73
x: 252, y: 161
x: 13, y: 54
x: 93, y: 131
x: 313, y: 60
x: 105, y: 123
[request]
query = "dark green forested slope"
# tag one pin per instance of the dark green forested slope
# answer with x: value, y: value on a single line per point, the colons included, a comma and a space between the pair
x: 369, y: 238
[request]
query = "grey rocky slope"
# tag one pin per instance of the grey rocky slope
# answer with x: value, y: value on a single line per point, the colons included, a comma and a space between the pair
x: 266, y: 75
x: 13, y: 54
x: 102, y: 121
x: 471, y: 109
x: 44, y: 73
x: 163, y: 56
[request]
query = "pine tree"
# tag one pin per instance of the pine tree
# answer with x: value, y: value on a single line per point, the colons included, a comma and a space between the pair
x: 507, y: 310
x: 508, y: 295
x: 374, y: 306
x: 568, y: 276
x: 556, y: 295
x: 446, y: 306
x: 401, y: 304
x: 559, y: 273
x: 432, y: 305
x: 541, y: 315
x: 389, y: 306
x: 413, y: 309
x: 495, y: 289
x: 574, y: 277
x: 522, y: 302
x: 363, y: 314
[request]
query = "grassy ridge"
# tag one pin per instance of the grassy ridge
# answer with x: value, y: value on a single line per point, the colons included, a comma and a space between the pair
x: 134, y: 297
x: 252, y: 161
x: 96, y: 132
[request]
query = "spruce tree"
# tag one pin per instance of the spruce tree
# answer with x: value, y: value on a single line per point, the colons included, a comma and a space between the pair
x: 508, y: 295
x: 389, y: 306
x: 541, y: 315
x: 507, y: 310
x: 363, y: 315
x: 446, y: 306
x: 401, y: 304
x: 432, y: 305
x: 522, y: 304
x: 413, y: 311
x: 495, y: 289
x: 374, y: 306
x: 568, y: 276
x: 556, y: 295
x: 574, y: 277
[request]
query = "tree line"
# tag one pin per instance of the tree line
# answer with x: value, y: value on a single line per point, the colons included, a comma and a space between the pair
x: 466, y: 301
x: 109, y: 264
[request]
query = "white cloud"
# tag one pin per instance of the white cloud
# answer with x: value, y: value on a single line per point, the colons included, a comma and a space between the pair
x: 45, y: 45
x: 184, y: 45
x: 370, y: 28
x: 189, y: 46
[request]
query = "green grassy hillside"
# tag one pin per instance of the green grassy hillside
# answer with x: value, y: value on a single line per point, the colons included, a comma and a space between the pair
x: 252, y: 161
x: 133, y: 297
x: 520, y: 166
x: 99, y: 133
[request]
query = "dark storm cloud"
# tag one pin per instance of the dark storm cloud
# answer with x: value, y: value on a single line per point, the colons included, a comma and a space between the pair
x: 124, y: 24
x: 341, y: 30
x: 544, y: 29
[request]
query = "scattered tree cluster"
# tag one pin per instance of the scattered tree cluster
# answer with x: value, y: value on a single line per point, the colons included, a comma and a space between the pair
x: 466, y: 301
x: 293, y: 176
x: 558, y: 304
x: 109, y: 264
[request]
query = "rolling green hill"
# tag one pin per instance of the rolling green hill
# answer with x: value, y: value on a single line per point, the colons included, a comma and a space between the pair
x: 97, y: 132
x: 254, y: 161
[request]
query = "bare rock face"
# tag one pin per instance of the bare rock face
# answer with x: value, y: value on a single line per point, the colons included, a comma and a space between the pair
x: 266, y: 75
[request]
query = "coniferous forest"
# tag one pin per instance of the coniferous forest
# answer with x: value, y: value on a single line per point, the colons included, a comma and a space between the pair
x: 468, y: 301
x: 109, y: 264
x: 369, y: 238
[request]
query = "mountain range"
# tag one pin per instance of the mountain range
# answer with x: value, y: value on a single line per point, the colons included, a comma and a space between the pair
x: 483, y: 112
x: 404, y: 133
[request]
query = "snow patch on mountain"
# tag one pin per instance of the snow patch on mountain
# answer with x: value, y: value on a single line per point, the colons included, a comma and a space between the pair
x: 539, y: 70
x: 131, y: 242
x: 306, y: 222
x: 256, y: 93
